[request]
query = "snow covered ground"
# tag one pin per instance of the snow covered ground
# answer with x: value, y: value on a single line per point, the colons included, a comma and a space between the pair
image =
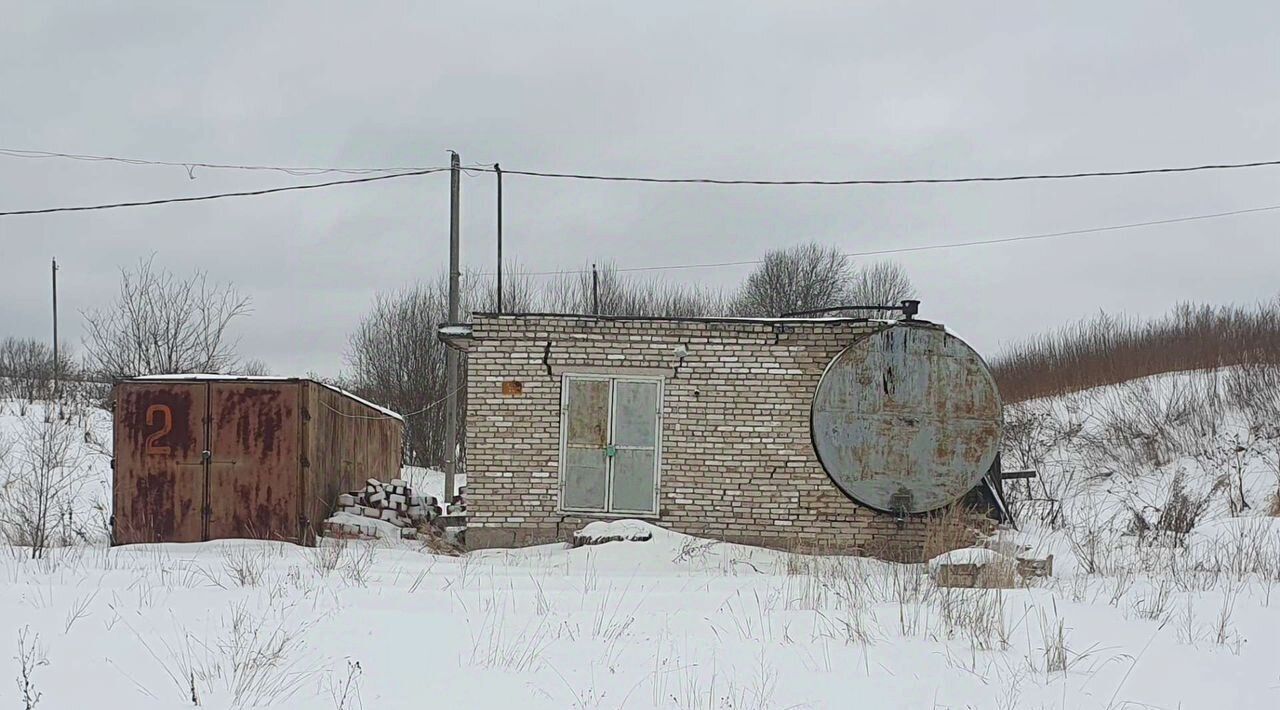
x: 1127, y: 620
x: 672, y: 622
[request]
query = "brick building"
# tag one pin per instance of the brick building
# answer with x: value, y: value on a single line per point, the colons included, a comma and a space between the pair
x: 699, y: 425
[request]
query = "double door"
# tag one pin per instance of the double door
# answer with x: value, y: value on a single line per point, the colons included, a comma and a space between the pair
x: 206, y: 460
x: 610, y: 452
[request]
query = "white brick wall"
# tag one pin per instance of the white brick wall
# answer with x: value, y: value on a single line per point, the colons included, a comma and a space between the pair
x: 737, y: 462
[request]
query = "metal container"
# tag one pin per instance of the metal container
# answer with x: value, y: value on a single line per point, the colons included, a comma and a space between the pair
x: 907, y: 419
x: 201, y: 457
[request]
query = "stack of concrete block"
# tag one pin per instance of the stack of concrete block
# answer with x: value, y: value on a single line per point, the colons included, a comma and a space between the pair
x: 393, y: 502
x: 348, y: 526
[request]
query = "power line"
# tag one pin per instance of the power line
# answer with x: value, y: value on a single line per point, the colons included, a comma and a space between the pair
x: 294, y: 170
x: 930, y: 247
x: 901, y: 181
x: 199, y: 198
x: 414, y: 413
x: 190, y: 166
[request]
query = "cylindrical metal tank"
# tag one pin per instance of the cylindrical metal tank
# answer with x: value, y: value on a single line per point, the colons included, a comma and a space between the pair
x: 906, y: 419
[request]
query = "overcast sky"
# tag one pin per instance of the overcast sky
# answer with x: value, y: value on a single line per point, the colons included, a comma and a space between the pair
x: 733, y: 90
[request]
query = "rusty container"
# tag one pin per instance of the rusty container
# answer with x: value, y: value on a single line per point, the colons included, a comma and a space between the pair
x: 907, y: 419
x: 201, y: 457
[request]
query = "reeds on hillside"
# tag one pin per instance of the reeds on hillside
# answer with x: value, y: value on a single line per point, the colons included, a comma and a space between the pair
x: 1108, y: 349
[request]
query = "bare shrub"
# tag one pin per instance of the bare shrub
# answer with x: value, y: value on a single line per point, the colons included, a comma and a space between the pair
x: 494, y: 645
x: 327, y: 554
x: 1155, y: 601
x: 1185, y: 624
x: 346, y: 692
x: 42, y: 480
x: 1182, y: 510
x: 1223, y: 631
x: 1053, y: 635
x: 359, y: 562
x: 160, y: 323
x: 1057, y: 656
x: 27, y: 369
x: 256, y: 660
x: 1092, y: 541
x: 30, y: 657
x: 1254, y: 389
x: 244, y: 564
x: 976, y: 615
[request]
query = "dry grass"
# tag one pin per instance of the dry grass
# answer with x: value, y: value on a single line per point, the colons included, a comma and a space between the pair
x: 953, y: 528
x: 1109, y: 349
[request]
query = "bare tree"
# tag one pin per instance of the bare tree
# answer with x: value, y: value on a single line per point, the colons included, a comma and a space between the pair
x: 252, y: 367
x: 881, y: 283
x: 395, y: 357
x: 161, y: 323
x: 397, y: 360
x: 618, y: 294
x: 519, y: 295
x: 802, y: 277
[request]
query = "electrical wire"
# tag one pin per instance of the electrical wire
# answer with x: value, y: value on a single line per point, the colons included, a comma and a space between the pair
x: 430, y: 406
x: 190, y: 166
x: 927, y: 247
x: 199, y: 198
x: 899, y: 181
x: 488, y: 168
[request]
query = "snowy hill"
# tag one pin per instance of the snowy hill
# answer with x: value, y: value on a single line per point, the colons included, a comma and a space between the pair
x: 1151, y: 458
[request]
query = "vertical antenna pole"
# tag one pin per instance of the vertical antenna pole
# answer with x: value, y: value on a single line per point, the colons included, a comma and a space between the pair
x: 451, y: 355
x: 497, y: 170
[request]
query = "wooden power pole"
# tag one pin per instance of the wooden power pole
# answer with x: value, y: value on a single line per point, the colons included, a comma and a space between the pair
x: 55, y: 329
x: 451, y: 355
x: 498, y: 171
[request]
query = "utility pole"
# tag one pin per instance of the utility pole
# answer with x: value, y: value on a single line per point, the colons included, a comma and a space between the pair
x: 498, y: 171
x: 451, y: 355
x: 595, y: 291
x: 55, y: 328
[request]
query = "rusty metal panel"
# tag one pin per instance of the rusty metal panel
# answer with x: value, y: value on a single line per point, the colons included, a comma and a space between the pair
x: 159, y: 488
x: 346, y: 442
x: 219, y: 457
x: 906, y: 419
x: 253, y: 472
